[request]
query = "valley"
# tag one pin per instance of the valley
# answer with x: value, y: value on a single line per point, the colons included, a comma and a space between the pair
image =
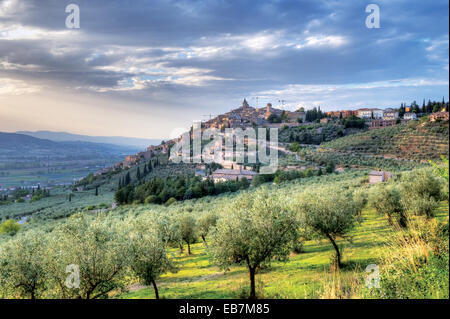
x: 27, y: 161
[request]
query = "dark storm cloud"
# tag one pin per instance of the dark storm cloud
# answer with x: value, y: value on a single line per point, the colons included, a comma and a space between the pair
x: 223, y: 48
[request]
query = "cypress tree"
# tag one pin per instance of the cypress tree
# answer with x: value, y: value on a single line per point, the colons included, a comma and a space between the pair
x: 138, y: 174
x: 149, y: 166
x: 127, y: 179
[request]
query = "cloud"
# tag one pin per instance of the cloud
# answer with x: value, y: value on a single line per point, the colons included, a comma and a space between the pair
x: 346, y: 95
x: 437, y: 51
x: 19, y: 32
x: 10, y: 87
x: 210, y: 54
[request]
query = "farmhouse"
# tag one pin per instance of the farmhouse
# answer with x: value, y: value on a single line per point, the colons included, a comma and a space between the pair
x: 379, y: 177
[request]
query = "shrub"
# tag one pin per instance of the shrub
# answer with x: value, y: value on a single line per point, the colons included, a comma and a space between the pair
x: 150, y: 199
x: 295, y: 147
x: 170, y: 201
x: 10, y: 227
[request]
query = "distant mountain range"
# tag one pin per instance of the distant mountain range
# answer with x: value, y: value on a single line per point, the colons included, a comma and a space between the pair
x: 139, y: 143
x: 24, y: 144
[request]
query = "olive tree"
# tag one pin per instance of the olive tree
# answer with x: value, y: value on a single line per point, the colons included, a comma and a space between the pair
x: 23, y: 271
x: 98, y: 250
x: 421, y: 192
x: 168, y: 229
x: 187, y: 226
x: 360, y: 197
x: 386, y: 199
x: 205, y: 223
x: 256, y: 229
x: 330, y: 213
x: 148, y: 256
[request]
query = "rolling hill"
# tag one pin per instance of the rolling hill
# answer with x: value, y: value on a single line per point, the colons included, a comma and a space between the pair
x: 417, y: 140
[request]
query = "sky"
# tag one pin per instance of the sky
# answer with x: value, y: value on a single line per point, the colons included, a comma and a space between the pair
x: 149, y: 68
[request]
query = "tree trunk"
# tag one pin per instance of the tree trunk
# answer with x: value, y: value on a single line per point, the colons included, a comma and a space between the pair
x: 204, y: 241
x: 403, y: 221
x: 189, y: 249
x: 156, y: 289
x: 252, y: 271
x: 338, y: 254
x: 181, y: 248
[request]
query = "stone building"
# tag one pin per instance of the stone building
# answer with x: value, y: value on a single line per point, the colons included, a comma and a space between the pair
x: 379, y: 177
x: 377, y: 123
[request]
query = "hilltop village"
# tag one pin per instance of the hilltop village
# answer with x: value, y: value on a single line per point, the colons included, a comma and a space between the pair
x: 241, y: 117
x: 247, y: 116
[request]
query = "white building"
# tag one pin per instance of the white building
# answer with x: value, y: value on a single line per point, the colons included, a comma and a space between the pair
x: 369, y: 113
x: 409, y: 116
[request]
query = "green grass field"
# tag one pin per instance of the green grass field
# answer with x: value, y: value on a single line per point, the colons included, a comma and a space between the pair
x: 305, y: 275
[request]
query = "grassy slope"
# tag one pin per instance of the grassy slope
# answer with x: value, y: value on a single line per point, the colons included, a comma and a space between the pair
x: 415, y: 140
x: 303, y: 276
